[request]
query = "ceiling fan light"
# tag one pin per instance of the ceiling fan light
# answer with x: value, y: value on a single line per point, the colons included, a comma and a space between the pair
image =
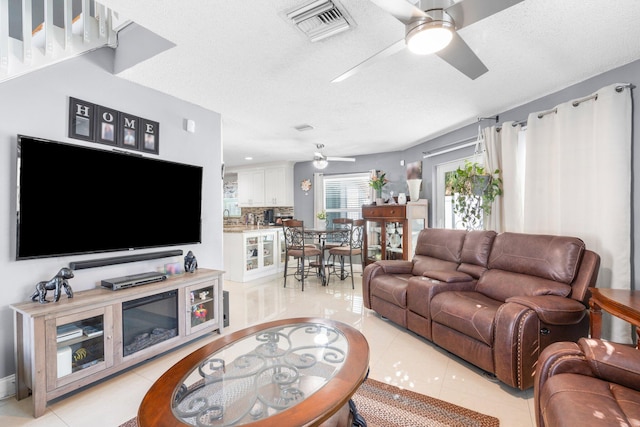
x: 430, y: 34
x: 320, y: 163
x: 429, y: 40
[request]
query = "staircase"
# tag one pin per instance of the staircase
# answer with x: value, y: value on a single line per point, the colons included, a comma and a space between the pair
x: 38, y: 33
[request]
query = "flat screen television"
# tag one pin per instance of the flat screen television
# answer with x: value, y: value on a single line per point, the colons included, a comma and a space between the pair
x: 78, y: 200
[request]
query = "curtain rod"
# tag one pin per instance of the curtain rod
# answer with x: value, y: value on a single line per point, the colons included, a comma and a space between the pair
x: 468, y: 142
x: 463, y: 143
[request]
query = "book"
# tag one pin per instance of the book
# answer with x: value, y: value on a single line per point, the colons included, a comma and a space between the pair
x: 91, y: 331
x: 67, y: 332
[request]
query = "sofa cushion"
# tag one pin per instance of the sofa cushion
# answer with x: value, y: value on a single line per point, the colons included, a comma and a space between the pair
x: 392, y: 289
x: 469, y: 313
x: 500, y: 285
x: 554, y: 258
x: 564, y: 401
x: 441, y: 243
x: 477, y: 247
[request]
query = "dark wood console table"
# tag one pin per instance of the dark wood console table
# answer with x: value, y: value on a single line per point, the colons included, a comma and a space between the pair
x: 621, y: 303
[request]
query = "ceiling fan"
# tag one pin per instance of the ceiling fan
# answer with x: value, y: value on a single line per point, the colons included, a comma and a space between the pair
x: 320, y: 161
x: 431, y: 27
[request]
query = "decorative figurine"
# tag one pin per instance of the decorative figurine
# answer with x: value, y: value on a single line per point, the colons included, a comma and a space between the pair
x: 56, y: 284
x: 190, y: 263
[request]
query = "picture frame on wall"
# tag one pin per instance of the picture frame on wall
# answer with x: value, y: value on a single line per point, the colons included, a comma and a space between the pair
x: 104, y: 125
x: 81, y: 119
x: 150, y: 136
x: 129, y: 131
x: 107, y: 126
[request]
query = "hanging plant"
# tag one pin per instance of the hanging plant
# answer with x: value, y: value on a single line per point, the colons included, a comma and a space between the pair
x: 473, y: 190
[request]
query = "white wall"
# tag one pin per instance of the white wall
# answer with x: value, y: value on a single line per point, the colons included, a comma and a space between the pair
x: 37, y: 105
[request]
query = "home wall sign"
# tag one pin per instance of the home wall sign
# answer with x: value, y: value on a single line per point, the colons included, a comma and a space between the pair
x: 104, y: 125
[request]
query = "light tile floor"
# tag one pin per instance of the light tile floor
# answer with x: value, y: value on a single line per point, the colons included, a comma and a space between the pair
x: 397, y: 356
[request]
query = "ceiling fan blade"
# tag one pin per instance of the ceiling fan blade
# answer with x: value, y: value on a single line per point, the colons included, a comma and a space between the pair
x: 341, y: 159
x: 402, y: 10
x: 460, y: 56
x: 396, y: 47
x: 467, y: 12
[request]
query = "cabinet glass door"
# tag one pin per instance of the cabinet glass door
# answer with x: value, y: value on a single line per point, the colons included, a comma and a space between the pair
x: 375, y: 240
x: 252, y: 248
x: 416, y: 226
x: 268, y: 250
x: 201, y: 307
x: 394, y: 247
x: 80, y: 345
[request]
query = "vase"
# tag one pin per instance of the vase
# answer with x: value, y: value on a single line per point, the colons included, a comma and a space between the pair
x: 402, y: 199
x: 379, y: 199
x: 414, y: 189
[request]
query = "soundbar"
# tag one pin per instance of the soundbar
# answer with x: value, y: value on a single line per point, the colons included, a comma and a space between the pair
x: 133, y: 280
x: 80, y: 265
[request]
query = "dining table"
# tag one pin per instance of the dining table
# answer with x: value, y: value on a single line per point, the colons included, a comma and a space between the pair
x: 319, y: 236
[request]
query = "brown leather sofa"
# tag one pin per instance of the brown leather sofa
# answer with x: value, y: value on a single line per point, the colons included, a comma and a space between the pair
x: 589, y: 383
x: 495, y: 300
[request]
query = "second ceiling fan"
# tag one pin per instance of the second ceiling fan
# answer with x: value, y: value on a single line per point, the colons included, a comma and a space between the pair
x: 320, y: 161
x: 431, y: 27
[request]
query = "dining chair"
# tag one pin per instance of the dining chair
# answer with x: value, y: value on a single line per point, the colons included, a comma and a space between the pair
x: 295, y: 246
x: 339, y: 239
x: 351, y: 249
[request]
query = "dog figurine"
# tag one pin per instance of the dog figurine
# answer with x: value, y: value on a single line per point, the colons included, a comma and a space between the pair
x: 56, y: 285
x: 190, y: 263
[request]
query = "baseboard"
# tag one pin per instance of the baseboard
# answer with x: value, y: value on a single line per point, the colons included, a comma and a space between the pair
x: 7, y: 386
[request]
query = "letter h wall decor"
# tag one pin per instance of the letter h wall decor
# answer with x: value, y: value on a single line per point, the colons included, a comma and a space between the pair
x: 96, y: 123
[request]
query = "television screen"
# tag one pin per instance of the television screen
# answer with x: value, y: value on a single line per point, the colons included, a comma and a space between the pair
x: 78, y: 200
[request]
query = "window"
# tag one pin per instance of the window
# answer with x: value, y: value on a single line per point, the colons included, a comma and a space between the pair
x: 344, y: 195
x: 445, y: 218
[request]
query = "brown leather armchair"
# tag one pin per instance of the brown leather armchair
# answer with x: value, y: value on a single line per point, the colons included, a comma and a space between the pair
x: 589, y: 383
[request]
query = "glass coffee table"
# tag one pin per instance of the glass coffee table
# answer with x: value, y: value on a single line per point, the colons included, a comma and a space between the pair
x: 291, y: 372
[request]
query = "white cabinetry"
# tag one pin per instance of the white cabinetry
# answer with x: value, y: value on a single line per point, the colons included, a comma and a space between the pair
x: 270, y: 186
x: 252, y: 254
x: 251, y: 188
x: 278, y: 190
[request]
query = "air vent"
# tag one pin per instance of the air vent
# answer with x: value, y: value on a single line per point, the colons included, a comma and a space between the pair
x: 320, y: 19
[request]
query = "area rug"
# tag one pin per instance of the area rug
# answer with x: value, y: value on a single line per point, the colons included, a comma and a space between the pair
x: 383, y: 405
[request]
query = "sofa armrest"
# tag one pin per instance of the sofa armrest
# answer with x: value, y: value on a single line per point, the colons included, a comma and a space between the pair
x: 380, y: 268
x: 395, y: 266
x: 553, y: 309
x: 613, y: 362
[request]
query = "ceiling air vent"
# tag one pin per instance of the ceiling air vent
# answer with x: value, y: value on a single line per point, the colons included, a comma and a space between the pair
x: 320, y: 19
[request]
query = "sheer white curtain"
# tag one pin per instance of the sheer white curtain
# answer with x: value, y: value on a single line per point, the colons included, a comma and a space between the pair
x: 504, y: 152
x: 578, y: 181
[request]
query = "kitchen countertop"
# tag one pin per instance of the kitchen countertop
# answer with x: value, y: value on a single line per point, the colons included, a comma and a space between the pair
x: 241, y: 228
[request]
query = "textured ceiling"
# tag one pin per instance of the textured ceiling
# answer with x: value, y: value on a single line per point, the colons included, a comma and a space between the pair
x: 246, y: 61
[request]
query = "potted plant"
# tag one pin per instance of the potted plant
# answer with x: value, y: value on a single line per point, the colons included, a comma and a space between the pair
x: 473, y: 189
x: 322, y: 218
x: 376, y: 182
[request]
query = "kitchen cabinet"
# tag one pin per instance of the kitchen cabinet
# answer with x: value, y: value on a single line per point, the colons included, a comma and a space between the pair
x: 251, y: 254
x: 75, y: 342
x: 251, y: 188
x: 392, y: 230
x: 278, y: 186
x: 270, y: 186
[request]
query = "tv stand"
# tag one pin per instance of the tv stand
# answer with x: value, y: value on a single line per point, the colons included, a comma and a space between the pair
x: 64, y: 346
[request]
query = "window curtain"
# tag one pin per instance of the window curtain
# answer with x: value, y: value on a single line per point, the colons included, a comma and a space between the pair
x: 578, y: 182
